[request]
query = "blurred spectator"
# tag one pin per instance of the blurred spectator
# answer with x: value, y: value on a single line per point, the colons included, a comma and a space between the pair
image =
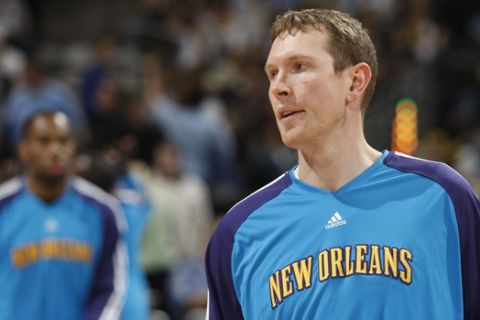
x: 266, y: 156
x: 95, y: 74
x: 436, y: 145
x: 459, y: 65
x: 467, y: 159
x: 12, y: 65
x: 181, y: 217
x: 16, y: 23
x: 188, y: 286
x: 148, y: 26
x: 109, y: 121
x: 205, y: 142
x: 141, y: 128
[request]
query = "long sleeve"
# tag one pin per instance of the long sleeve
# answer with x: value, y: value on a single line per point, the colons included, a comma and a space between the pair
x: 222, y: 299
x: 108, y: 288
x: 467, y: 209
x: 467, y: 214
x: 223, y: 302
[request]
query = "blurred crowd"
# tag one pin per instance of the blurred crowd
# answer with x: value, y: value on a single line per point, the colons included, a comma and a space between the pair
x: 169, y: 101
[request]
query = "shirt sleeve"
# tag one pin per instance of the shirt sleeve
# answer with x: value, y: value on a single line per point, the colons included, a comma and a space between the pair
x: 108, y: 288
x: 467, y: 213
x: 222, y: 299
x: 467, y: 210
x: 223, y: 302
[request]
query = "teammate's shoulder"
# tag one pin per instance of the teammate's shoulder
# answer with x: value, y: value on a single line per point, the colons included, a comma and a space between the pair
x: 9, y: 189
x: 95, y: 194
x: 92, y: 191
x: 439, y: 172
x: 242, y: 210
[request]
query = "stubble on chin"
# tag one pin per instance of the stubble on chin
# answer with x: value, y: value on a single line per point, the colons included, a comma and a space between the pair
x: 51, y: 181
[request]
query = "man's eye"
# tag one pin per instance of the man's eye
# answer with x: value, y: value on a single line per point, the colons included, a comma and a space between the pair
x: 298, y: 67
x: 272, y: 74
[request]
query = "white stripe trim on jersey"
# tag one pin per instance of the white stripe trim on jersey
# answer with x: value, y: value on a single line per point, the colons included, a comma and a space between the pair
x: 114, y: 305
x: 98, y: 194
x: 404, y: 155
x: 398, y: 153
x: 255, y: 192
x: 295, y: 173
x: 10, y: 187
x: 207, y: 313
x: 128, y: 196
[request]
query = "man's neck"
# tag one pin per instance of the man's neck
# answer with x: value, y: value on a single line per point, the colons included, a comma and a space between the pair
x: 46, y: 192
x: 332, y: 166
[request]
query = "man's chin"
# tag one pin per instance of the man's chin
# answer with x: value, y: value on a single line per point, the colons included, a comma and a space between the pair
x: 291, y: 141
x: 53, y: 179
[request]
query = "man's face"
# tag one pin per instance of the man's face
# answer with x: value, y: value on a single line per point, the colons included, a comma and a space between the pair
x: 167, y: 160
x: 307, y: 96
x: 47, y: 148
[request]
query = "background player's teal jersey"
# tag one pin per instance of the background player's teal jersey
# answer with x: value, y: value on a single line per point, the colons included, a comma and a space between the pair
x: 400, y: 241
x: 60, y: 260
x: 136, y: 207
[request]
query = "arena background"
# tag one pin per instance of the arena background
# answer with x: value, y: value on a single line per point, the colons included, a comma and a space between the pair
x: 123, y: 61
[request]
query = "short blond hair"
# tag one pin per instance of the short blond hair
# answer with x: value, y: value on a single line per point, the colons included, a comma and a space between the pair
x: 349, y: 42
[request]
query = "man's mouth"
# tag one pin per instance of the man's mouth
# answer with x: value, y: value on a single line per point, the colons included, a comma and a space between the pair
x: 286, y: 114
x: 56, y: 169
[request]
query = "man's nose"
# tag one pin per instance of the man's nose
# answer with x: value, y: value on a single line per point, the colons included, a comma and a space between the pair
x: 280, y: 87
x: 55, y: 147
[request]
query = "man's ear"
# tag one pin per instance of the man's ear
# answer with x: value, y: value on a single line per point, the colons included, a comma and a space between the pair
x: 360, y: 76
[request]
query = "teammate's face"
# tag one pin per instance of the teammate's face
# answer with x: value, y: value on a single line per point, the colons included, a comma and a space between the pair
x: 47, y: 148
x: 307, y: 96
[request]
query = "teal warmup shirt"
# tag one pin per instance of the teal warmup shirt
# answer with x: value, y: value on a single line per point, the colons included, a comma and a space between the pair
x: 60, y: 260
x: 400, y: 241
x: 136, y: 207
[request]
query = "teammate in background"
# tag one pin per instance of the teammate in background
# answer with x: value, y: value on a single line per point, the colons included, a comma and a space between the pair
x: 62, y: 257
x: 112, y: 175
x: 351, y: 232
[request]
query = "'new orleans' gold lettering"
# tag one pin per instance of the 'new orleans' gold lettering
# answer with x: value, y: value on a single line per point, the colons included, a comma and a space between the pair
x: 281, y: 284
x: 341, y: 262
x: 51, y: 249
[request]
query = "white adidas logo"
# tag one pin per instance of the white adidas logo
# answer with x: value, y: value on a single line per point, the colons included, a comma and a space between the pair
x: 335, y: 221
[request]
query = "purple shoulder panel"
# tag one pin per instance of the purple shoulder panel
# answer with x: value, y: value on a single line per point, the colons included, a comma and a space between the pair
x: 467, y: 212
x: 104, y: 293
x: 223, y: 302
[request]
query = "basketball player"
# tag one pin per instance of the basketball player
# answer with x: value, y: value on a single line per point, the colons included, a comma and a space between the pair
x: 351, y: 232
x: 60, y: 254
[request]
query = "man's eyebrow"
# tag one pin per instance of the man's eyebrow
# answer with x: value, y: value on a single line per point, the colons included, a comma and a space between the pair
x: 268, y: 67
x: 289, y: 59
x: 298, y: 57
